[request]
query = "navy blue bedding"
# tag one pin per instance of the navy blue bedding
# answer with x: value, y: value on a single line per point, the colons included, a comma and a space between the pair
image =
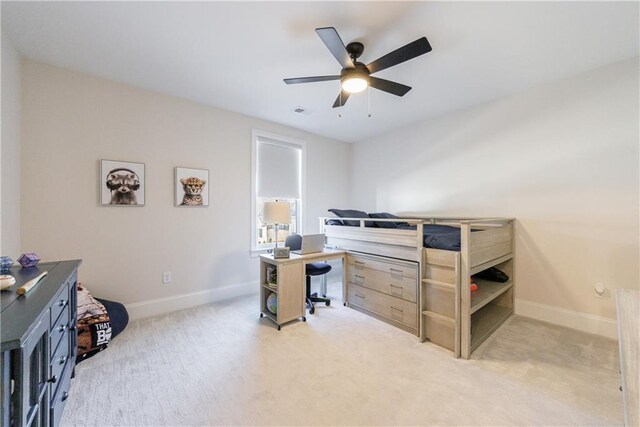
x: 438, y: 236
x: 435, y: 236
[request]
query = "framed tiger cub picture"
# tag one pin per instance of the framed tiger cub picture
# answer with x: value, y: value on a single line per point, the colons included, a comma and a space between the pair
x: 192, y: 187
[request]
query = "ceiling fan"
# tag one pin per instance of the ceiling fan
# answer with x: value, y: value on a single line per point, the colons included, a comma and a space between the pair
x: 355, y: 76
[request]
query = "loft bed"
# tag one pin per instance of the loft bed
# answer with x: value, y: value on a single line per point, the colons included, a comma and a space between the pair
x: 384, y: 264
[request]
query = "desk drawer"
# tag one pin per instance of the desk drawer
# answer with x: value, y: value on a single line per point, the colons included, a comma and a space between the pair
x: 387, y: 306
x: 60, y: 303
x: 400, y: 269
x: 389, y: 283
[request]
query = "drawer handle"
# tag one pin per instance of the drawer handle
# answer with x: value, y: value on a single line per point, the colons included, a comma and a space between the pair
x: 397, y: 287
x: 359, y: 277
x: 359, y: 296
x: 396, y: 272
x: 63, y: 359
x: 359, y: 264
x: 52, y: 380
x: 65, y: 396
x: 62, y: 303
x: 62, y: 328
x: 397, y: 313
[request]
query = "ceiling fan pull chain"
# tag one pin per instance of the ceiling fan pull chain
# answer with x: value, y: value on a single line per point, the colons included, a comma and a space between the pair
x: 340, y: 97
x: 369, y: 101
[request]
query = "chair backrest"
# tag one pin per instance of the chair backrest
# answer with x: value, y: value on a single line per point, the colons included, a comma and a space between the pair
x: 294, y: 242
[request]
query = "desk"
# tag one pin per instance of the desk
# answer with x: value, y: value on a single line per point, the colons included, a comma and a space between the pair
x: 286, y: 278
x: 628, y: 304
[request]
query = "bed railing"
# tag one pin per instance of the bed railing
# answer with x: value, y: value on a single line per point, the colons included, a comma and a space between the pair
x: 392, y: 242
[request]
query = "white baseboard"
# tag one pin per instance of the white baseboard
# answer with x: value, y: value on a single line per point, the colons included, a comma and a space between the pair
x: 571, y: 319
x: 155, y: 307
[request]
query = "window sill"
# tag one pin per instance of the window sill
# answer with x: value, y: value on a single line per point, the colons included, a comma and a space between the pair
x: 255, y: 253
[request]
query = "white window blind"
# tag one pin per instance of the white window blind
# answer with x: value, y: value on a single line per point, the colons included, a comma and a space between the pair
x: 278, y: 170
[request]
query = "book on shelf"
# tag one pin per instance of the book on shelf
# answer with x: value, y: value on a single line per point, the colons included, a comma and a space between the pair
x: 272, y: 276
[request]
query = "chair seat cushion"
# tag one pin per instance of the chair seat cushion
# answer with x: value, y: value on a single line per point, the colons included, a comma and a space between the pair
x: 318, y: 268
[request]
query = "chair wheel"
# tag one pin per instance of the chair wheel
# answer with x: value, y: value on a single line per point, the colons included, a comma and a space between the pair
x: 278, y: 327
x: 304, y: 319
x: 261, y: 314
x: 312, y: 310
x: 328, y: 303
x: 324, y: 295
x: 344, y: 303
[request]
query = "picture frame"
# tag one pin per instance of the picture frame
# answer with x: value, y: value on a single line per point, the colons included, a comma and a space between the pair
x: 122, y: 183
x: 191, y: 187
x: 279, y: 253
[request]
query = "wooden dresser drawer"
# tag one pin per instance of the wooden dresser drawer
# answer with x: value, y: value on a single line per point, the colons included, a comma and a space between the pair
x: 400, y: 269
x: 386, y: 282
x: 384, y: 305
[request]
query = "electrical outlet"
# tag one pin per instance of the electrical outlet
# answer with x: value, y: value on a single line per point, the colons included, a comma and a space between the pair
x: 166, y: 277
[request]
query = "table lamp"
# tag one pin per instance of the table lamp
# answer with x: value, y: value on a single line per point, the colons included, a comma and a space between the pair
x: 277, y: 213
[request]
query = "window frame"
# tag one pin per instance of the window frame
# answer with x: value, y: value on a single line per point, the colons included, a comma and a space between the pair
x: 283, y: 141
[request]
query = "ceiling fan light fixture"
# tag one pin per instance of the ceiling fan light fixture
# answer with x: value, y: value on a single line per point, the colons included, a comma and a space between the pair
x: 355, y: 83
x: 355, y: 76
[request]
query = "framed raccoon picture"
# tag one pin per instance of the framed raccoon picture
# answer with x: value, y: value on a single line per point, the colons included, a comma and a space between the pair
x: 192, y: 187
x: 121, y: 183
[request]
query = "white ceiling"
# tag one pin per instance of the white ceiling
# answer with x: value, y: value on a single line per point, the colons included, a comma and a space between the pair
x: 235, y: 55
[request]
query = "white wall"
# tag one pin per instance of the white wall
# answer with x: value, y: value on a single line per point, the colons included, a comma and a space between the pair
x: 71, y: 120
x: 10, y: 151
x: 562, y: 159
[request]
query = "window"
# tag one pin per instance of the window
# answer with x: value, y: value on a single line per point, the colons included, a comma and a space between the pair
x: 278, y: 165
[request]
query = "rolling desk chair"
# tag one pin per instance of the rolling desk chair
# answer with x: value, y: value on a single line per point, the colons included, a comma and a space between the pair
x: 294, y: 242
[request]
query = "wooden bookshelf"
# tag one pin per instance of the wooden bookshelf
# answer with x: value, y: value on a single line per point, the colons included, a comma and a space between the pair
x: 486, y: 320
x: 487, y: 291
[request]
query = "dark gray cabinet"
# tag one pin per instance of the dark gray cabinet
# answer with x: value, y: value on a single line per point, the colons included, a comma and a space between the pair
x: 39, y: 345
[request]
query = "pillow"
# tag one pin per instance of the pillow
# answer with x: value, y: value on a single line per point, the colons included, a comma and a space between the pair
x: 384, y: 224
x: 334, y: 222
x: 352, y: 213
x: 94, y: 325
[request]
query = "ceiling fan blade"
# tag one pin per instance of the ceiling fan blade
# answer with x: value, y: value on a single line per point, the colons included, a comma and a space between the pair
x: 297, y: 80
x: 332, y: 40
x: 341, y: 99
x: 389, y: 86
x: 398, y: 56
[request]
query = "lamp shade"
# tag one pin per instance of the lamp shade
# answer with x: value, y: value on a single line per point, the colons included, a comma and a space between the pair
x: 277, y: 213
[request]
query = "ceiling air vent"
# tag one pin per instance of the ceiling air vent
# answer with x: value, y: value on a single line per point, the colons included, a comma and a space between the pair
x: 301, y: 110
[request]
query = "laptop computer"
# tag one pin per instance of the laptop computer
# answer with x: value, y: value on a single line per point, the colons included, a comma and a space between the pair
x: 311, y: 243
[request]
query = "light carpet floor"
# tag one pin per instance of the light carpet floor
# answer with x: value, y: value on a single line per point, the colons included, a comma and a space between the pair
x: 219, y: 364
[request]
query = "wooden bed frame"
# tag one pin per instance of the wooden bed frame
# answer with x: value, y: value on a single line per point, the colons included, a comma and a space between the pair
x: 448, y: 315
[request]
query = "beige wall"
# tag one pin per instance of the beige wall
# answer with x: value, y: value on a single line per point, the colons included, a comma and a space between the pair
x: 71, y: 120
x: 10, y: 151
x: 562, y: 159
